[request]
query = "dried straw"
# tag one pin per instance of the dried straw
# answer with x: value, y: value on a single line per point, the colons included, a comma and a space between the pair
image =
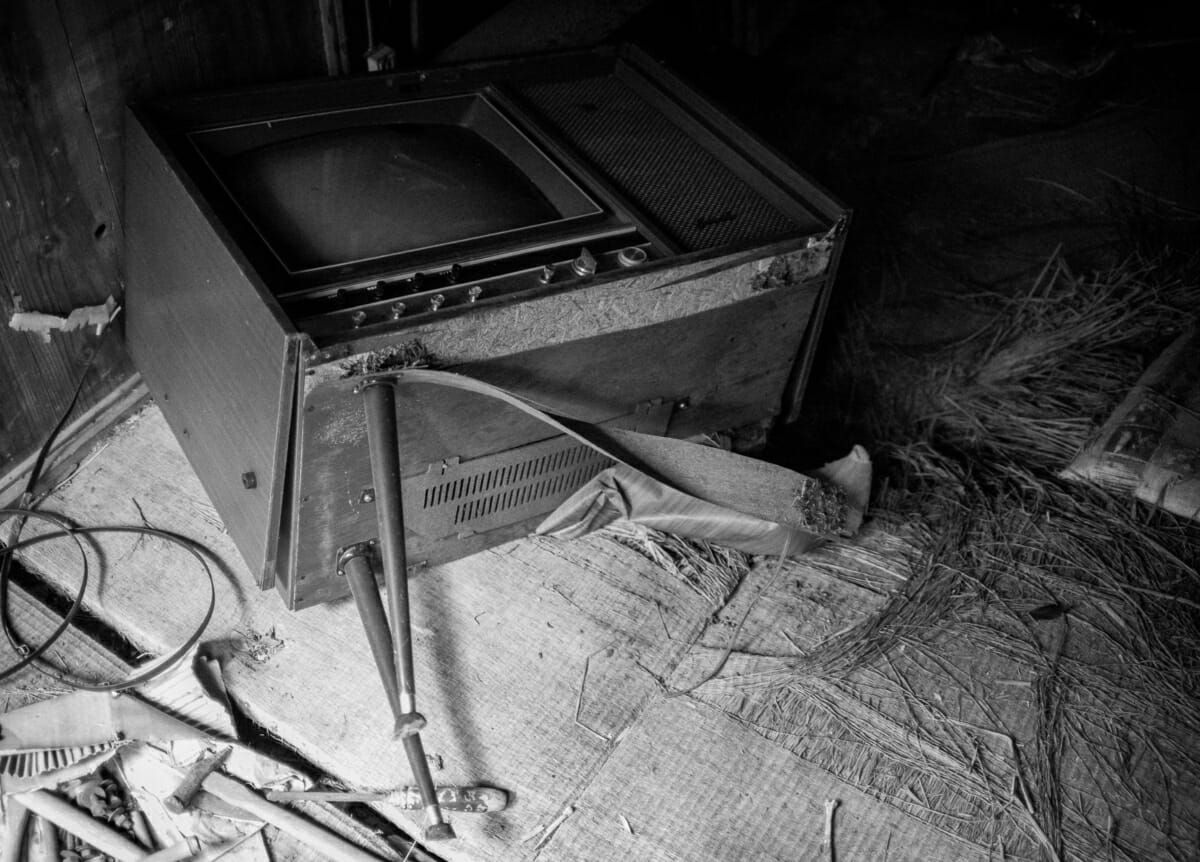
x: 1031, y: 681
x: 1006, y: 579
x: 409, y: 354
x: 711, y: 570
x: 1034, y: 384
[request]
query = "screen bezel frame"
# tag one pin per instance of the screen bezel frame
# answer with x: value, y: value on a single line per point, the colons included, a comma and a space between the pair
x: 606, y: 213
x: 477, y: 111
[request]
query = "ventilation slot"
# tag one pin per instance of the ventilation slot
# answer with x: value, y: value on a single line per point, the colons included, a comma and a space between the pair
x: 502, y: 489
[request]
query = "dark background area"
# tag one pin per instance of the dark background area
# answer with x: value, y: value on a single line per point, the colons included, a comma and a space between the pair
x: 971, y: 140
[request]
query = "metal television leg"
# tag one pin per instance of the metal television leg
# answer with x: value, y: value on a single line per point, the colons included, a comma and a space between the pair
x: 379, y: 398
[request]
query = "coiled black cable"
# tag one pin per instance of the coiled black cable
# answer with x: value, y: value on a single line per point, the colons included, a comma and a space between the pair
x: 69, y: 531
x: 32, y: 655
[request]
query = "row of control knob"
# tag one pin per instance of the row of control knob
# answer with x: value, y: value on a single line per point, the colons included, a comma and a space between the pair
x: 426, y: 292
x: 398, y: 309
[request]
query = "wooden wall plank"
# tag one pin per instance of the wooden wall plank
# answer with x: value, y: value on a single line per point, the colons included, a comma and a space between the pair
x: 57, y: 249
x: 67, y: 69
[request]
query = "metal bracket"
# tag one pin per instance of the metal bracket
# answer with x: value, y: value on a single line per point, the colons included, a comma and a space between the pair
x: 344, y: 554
x: 370, y: 549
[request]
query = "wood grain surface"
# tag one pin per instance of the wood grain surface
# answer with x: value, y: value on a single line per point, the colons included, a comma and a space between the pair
x: 213, y: 348
x: 59, y: 229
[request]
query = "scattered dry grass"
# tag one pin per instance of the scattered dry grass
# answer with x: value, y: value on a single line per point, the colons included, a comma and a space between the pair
x: 1032, y: 683
x: 1054, y: 362
x: 711, y: 570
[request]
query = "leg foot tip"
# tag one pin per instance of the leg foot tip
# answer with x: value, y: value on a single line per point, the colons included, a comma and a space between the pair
x: 408, y: 724
x: 439, y: 832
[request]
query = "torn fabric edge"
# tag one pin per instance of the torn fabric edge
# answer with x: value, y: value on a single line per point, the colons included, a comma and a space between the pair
x: 732, y: 484
x: 621, y: 492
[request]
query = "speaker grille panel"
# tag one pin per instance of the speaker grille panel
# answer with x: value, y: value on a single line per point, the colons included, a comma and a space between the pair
x: 501, y: 489
x: 693, y: 196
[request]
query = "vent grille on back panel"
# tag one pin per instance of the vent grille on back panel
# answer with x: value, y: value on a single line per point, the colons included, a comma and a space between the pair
x: 682, y: 186
x: 501, y: 489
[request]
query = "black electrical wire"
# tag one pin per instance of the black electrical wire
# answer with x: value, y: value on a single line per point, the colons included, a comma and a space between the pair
x: 66, y: 529
x: 193, y: 548
x: 26, y: 500
x: 30, y: 656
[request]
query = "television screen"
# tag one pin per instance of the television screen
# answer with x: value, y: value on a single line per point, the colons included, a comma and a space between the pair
x: 364, y: 192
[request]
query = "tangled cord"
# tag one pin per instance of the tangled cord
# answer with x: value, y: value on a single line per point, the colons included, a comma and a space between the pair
x: 30, y: 656
x: 33, y: 655
x: 67, y: 530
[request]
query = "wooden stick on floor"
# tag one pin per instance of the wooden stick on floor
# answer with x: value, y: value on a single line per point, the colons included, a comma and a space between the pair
x: 331, y: 846
x: 830, y: 806
x: 78, y: 822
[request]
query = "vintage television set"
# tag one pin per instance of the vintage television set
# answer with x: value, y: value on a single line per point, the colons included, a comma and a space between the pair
x: 582, y: 230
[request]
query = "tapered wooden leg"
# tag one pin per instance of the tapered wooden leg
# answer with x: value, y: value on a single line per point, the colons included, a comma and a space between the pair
x: 379, y: 398
x: 360, y: 576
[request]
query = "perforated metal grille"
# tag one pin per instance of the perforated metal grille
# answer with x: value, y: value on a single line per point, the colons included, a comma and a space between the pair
x: 699, y: 201
x: 501, y: 489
